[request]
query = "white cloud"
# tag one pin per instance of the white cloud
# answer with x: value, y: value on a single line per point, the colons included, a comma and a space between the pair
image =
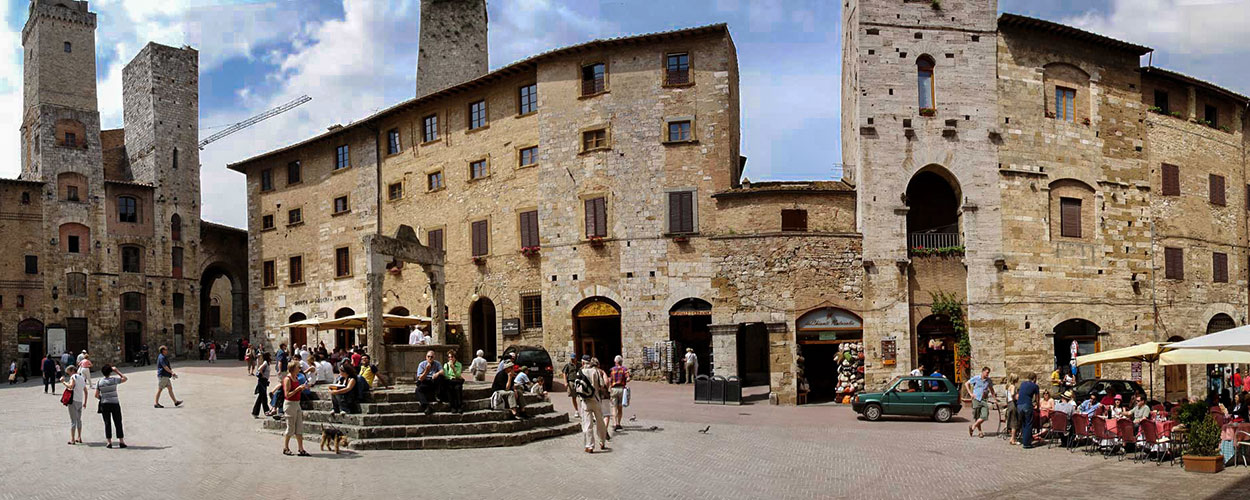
x: 1178, y: 26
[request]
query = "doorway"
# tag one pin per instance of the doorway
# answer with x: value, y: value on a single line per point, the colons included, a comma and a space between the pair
x: 688, y: 328
x: 298, y: 335
x: 342, y: 337
x: 829, y: 340
x: 1216, y: 375
x: 935, y: 345
x: 482, y: 326
x: 76, y: 339
x: 597, y: 329
x: 397, y: 335
x: 30, y: 334
x: 753, y: 366
x: 1175, y: 378
x: 133, y: 332
x: 1073, y: 338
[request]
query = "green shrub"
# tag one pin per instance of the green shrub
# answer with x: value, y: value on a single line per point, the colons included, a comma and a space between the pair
x: 1204, y: 438
x: 1190, y: 414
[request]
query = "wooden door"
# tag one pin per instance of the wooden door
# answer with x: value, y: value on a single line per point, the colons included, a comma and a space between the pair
x: 1175, y: 382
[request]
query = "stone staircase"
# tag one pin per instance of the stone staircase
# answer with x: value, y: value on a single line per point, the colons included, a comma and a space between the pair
x: 391, y: 421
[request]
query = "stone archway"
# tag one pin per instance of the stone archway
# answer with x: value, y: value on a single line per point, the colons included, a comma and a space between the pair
x: 482, y: 334
x: 689, y: 322
x: 234, y: 300
x: 597, y: 329
x: 1079, y: 335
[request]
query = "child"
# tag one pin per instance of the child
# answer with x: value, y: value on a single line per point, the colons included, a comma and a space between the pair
x: 538, y: 389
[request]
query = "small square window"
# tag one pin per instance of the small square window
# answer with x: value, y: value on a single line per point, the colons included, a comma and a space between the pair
x: 434, y: 180
x: 478, y: 169
x: 71, y: 139
x: 794, y: 220
x: 266, y: 222
x: 429, y: 128
x: 294, y: 216
x: 342, y: 157
x: 392, y: 141
x: 677, y: 69
x: 477, y: 115
x: 594, y: 139
x: 528, y: 156
x: 527, y: 99
x: 340, y: 205
x: 679, y: 131
x: 594, y: 79
x: 294, y: 173
x: 71, y: 244
x: 395, y: 191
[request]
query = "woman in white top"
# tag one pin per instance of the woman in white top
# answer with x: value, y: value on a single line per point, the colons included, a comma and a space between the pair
x: 262, y: 386
x: 77, y: 385
x: 1012, y: 418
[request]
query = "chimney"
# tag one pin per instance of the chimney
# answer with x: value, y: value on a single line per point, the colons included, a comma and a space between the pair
x: 452, y: 48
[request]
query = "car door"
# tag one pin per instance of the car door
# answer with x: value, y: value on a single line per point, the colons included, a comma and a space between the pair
x: 936, y: 392
x: 909, y: 397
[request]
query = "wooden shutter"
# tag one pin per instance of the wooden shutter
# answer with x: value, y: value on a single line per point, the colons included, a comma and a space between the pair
x: 1217, y: 189
x: 1171, y: 180
x: 1070, y: 217
x: 434, y: 239
x: 596, y: 217
x: 681, y: 212
x: 1219, y: 267
x: 529, y: 229
x: 1174, y: 263
x: 480, y: 243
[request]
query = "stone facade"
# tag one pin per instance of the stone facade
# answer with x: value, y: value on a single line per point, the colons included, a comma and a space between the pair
x: 90, y: 199
x: 453, y: 44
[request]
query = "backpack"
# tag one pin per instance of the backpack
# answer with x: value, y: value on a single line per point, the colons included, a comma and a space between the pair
x: 582, y: 386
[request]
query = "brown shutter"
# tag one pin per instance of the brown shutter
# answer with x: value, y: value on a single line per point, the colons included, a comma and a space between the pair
x: 1219, y: 267
x: 1217, y: 189
x: 687, y: 211
x: 590, y: 218
x: 674, y: 213
x: 1070, y: 217
x: 434, y: 239
x: 1171, y: 180
x: 480, y: 245
x: 1174, y: 263
x: 601, y: 216
x: 529, y: 229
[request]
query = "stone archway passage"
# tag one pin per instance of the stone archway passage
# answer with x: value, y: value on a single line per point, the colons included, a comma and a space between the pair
x: 689, y: 322
x: 237, y: 297
x: 482, y: 327
x: 1079, y: 335
x: 597, y: 329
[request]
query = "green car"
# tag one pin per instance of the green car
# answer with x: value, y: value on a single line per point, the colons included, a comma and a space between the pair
x: 933, y: 397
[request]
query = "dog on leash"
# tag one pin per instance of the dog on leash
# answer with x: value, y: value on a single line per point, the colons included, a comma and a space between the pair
x: 332, y: 437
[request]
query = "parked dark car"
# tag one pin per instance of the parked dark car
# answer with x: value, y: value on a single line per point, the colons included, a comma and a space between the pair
x: 1125, y: 388
x: 934, y: 397
x: 536, y: 361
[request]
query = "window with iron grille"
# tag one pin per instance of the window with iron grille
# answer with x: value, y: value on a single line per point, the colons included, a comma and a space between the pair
x: 296, y: 270
x: 269, y: 274
x: 434, y: 239
x: 531, y: 311
x: 478, y: 170
x: 294, y: 216
x: 266, y: 222
x: 340, y: 205
x: 434, y: 180
x: 429, y: 128
x: 131, y: 259
x: 677, y: 68
x: 794, y: 220
x: 529, y: 229
x: 679, y: 131
x: 480, y: 231
x: 342, y: 262
x: 342, y: 157
x: 266, y: 180
x: 132, y: 302
x: 395, y: 191
x: 597, y: 217
x: 681, y: 212
x: 594, y: 139
x: 594, y: 78
x: 527, y: 99
x: 392, y: 141
x: 477, y: 115
x: 1174, y: 263
x: 294, y: 173
x: 528, y: 156
x: 1219, y: 267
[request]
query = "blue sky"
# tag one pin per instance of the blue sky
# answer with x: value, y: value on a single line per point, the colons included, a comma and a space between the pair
x: 356, y: 56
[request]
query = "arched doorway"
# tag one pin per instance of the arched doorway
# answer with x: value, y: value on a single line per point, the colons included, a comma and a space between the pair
x: 482, y: 327
x: 397, y: 335
x: 1216, y: 376
x: 30, y: 334
x: 298, y: 335
x: 831, y: 343
x: 1175, y: 378
x: 343, y: 338
x: 597, y: 329
x: 933, y: 213
x: 1075, y: 337
x: 132, y: 332
x: 688, y: 322
x: 222, y: 305
x: 935, y: 345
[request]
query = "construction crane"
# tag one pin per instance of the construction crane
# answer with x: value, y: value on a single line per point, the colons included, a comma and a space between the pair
x: 255, y: 119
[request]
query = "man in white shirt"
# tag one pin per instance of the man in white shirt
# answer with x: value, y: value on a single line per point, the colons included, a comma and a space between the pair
x: 692, y: 365
x: 325, y: 371
x: 416, y: 337
x: 918, y: 372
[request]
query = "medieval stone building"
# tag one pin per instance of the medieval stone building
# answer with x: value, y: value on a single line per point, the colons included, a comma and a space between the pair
x: 590, y: 199
x: 106, y: 249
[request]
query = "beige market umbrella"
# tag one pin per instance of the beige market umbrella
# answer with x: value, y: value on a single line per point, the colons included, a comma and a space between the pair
x: 1203, y: 357
x: 1165, y: 355
x: 361, y: 320
x: 305, y: 323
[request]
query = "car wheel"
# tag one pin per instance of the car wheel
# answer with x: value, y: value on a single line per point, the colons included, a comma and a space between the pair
x: 872, y: 413
x: 942, y: 414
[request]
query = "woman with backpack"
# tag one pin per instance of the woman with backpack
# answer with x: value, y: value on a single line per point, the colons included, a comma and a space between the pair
x: 76, y: 386
x: 262, y: 387
x: 590, y: 383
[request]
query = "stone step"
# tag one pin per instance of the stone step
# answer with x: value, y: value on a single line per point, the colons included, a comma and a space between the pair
x: 325, y: 404
x: 414, y: 418
x: 466, y: 441
x: 358, y: 432
x: 408, y: 394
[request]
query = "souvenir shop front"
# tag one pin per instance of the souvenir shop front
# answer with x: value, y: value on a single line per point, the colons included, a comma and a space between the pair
x: 831, y: 355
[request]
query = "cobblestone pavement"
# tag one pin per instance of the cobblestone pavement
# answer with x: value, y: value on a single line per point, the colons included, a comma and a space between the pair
x: 211, y: 448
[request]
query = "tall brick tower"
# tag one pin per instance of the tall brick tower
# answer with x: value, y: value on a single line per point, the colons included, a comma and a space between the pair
x: 452, y: 49
x: 919, y: 120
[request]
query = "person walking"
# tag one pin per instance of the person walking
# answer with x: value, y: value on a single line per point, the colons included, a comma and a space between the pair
x: 262, y: 387
x: 164, y: 376
x: 84, y: 368
x: 1026, y: 401
x: 981, y: 389
x: 570, y: 374
x: 453, y: 383
x: 249, y: 357
x: 692, y: 365
x: 48, y: 369
x: 212, y: 352
x: 13, y: 373
x: 478, y: 366
x: 618, y: 380
x: 282, y: 358
x: 109, y: 406
x: 592, y: 421
x: 77, y: 386
x: 292, y: 390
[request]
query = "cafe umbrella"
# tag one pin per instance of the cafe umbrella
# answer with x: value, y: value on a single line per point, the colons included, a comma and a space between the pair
x: 1166, y: 354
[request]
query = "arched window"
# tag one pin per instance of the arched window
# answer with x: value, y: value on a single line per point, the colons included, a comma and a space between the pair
x: 127, y: 209
x: 924, y: 82
x: 175, y: 228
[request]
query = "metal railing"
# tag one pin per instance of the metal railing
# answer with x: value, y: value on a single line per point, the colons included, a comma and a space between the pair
x: 932, y: 240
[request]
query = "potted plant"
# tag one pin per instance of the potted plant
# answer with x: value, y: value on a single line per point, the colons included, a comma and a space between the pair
x: 928, y: 111
x: 1086, y: 120
x: 479, y: 259
x: 596, y: 241
x: 681, y: 238
x: 1050, y: 114
x: 1204, y: 447
x: 1155, y: 109
x: 530, y: 251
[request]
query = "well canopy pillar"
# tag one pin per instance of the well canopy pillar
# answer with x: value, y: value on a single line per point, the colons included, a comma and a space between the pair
x: 404, y: 247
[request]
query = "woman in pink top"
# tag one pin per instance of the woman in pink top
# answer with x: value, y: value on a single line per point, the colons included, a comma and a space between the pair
x: 1046, y: 405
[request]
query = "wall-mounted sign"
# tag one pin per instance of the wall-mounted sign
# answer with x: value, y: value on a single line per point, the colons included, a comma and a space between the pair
x: 1136, y: 371
x: 23, y: 348
x: 830, y: 318
x: 889, y: 352
x: 511, y: 327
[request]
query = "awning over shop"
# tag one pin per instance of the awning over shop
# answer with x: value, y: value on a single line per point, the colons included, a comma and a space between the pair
x: 359, y: 321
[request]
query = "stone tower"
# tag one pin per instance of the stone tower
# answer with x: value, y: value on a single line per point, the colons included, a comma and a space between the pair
x: 919, y: 121
x: 452, y: 49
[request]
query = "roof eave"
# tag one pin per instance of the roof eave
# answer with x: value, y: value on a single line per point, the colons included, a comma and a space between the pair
x: 1016, y: 20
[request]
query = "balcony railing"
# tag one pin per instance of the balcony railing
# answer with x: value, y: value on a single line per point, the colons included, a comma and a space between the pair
x: 932, y: 241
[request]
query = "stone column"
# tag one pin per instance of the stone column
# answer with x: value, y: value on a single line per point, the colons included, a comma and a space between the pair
x: 784, y: 390
x: 438, y: 307
x: 375, y: 271
x: 724, y: 349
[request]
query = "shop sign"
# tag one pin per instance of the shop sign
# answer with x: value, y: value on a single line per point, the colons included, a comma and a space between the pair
x: 511, y: 327
x: 23, y: 348
x: 1136, y: 369
x: 830, y: 318
x: 889, y: 352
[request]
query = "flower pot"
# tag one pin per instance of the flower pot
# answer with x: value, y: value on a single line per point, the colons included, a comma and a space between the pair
x: 1209, y: 465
